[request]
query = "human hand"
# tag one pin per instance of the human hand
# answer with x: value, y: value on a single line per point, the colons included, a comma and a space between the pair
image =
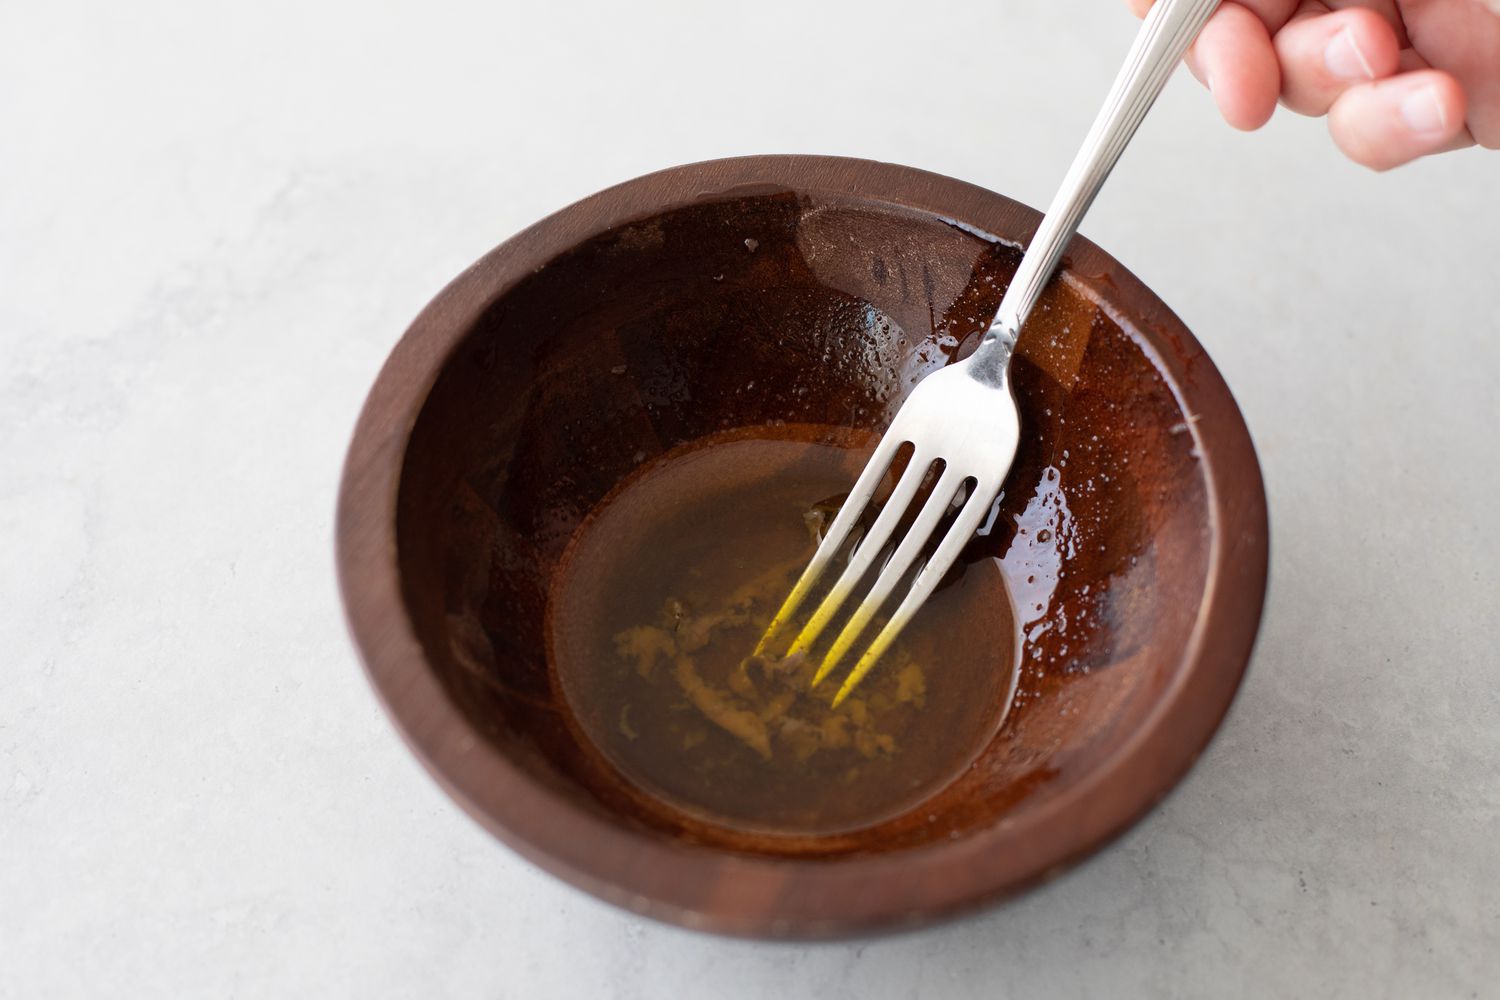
x: 1398, y: 79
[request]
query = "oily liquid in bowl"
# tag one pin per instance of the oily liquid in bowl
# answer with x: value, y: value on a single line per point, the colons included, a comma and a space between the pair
x: 661, y: 597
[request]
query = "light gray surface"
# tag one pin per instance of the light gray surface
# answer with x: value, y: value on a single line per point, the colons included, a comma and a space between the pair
x: 216, y: 219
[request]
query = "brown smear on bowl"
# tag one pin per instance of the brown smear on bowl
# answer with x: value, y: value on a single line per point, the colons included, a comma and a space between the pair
x: 764, y: 310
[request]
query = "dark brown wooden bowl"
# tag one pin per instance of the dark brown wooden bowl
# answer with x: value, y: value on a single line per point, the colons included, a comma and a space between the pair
x: 631, y: 323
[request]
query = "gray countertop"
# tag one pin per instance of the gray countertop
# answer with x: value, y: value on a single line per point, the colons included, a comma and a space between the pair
x: 215, y: 221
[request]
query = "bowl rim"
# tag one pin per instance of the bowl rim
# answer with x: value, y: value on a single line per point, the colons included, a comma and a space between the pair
x: 708, y: 889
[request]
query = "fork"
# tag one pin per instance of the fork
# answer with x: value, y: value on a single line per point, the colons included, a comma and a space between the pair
x: 964, y: 415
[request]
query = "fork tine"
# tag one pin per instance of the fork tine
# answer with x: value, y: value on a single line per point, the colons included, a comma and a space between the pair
x: 976, y: 506
x: 838, y: 532
x: 868, y: 551
x: 938, y: 503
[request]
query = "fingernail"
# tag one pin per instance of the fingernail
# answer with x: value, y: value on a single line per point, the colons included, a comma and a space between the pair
x: 1423, y: 112
x: 1344, y: 59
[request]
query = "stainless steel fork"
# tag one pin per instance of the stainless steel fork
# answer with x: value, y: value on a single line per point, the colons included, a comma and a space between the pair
x: 964, y: 415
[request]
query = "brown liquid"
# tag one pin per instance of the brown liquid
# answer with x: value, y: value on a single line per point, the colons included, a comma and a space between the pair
x: 697, y: 531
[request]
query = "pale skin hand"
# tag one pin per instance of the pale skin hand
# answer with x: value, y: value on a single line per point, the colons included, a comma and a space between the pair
x: 1398, y: 79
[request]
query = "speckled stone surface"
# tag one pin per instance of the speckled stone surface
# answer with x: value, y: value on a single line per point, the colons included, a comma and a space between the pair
x: 216, y: 219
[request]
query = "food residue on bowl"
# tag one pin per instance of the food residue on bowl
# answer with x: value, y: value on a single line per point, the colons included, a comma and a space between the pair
x: 768, y: 703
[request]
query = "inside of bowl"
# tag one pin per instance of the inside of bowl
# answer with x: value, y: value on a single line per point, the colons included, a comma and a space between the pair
x: 790, y: 308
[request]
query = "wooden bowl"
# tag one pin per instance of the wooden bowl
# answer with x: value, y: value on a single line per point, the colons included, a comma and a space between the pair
x: 630, y: 323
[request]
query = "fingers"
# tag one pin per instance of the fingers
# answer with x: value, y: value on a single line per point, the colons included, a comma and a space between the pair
x: 1234, y: 57
x: 1385, y: 106
x: 1323, y: 54
x: 1462, y: 38
x: 1390, y: 122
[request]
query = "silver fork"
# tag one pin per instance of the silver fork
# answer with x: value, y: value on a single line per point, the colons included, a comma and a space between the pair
x: 965, y: 415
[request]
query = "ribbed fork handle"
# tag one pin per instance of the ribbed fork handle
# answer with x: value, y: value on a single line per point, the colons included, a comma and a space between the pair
x: 1164, y: 36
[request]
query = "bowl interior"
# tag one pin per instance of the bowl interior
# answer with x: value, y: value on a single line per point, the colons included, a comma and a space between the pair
x: 763, y: 309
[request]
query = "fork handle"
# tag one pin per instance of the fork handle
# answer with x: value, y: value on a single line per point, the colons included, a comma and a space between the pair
x: 1169, y: 28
